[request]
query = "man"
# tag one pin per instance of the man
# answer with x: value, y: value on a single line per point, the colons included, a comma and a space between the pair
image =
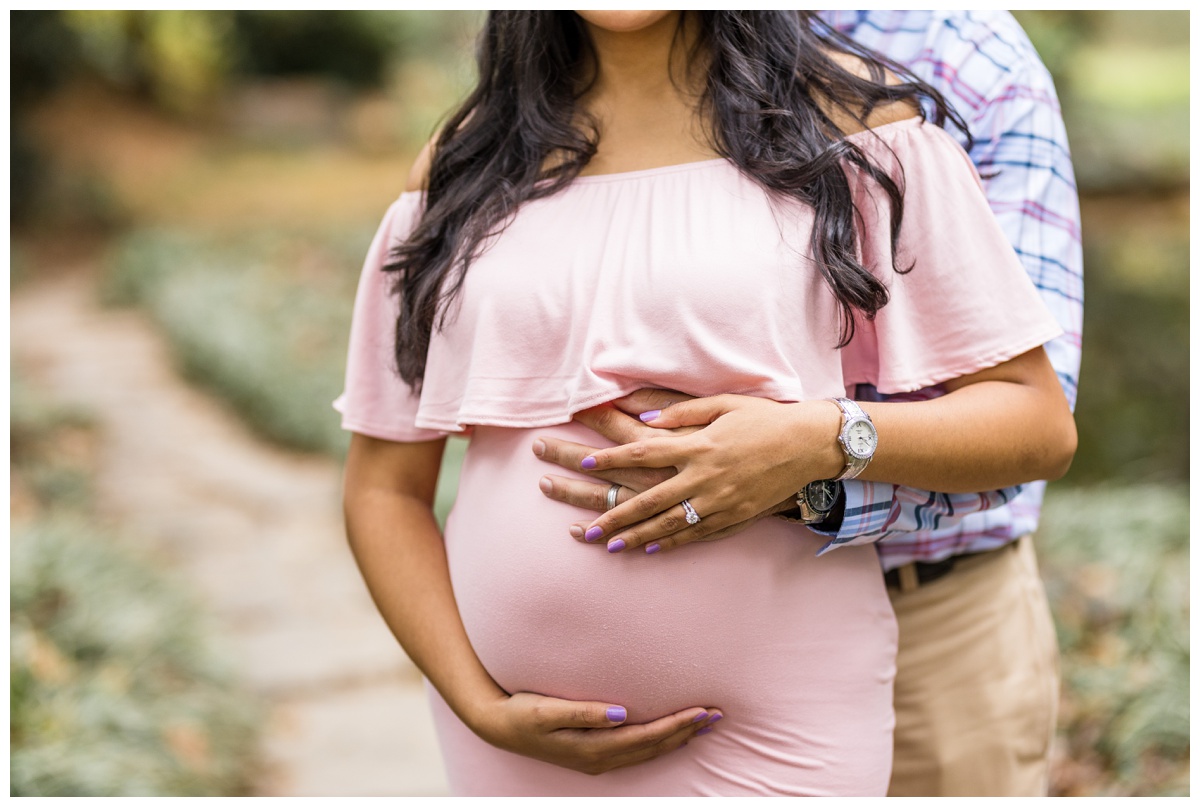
x: 977, y: 683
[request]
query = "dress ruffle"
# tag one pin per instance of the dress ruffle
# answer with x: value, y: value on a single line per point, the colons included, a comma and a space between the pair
x: 689, y: 277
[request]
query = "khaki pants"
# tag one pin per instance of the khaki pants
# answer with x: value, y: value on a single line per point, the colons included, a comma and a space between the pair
x: 976, y: 680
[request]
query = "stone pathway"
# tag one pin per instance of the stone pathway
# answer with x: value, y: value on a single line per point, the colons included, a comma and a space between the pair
x: 258, y: 531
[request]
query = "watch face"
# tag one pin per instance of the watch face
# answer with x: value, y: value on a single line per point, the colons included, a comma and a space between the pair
x: 861, y: 439
x: 822, y: 494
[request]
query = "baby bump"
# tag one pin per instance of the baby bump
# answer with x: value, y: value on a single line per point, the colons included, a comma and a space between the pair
x: 754, y: 622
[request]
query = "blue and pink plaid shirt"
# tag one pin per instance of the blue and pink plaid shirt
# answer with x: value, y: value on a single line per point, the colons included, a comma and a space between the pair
x: 985, y: 66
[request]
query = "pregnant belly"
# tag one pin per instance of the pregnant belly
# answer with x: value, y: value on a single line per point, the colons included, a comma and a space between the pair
x: 754, y: 623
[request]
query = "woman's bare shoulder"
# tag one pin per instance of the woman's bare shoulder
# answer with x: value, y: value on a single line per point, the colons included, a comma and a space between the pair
x: 418, y: 177
x: 882, y: 114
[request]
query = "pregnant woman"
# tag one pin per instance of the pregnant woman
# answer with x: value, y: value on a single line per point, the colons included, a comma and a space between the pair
x: 721, y: 203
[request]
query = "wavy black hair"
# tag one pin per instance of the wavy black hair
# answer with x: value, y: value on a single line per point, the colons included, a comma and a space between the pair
x: 517, y: 137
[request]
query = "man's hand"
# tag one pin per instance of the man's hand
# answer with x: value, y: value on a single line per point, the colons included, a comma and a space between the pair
x: 618, y: 421
x: 585, y: 736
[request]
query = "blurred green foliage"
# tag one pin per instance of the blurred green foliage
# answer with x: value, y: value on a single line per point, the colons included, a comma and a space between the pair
x: 348, y: 45
x: 1134, y: 404
x: 179, y: 57
x: 114, y: 687
x: 1123, y: 79
x: 1124, y: 84
x: 187, y: 62
x: 46, y: 445
x: 262, y: 320
x: 183, y: 58
x: 43, y: 52
x: 1115, y: 561
x: 113, y: 690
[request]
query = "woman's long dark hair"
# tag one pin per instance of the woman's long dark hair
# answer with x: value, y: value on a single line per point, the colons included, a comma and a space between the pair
x: 764, y: 71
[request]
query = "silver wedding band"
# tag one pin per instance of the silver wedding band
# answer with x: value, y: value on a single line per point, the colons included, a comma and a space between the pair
x: 689, y: 513
x: 610, y: 501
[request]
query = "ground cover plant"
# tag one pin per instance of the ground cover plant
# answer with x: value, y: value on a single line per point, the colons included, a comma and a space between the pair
x: 262, y: 320
x: 115, y: 688
x: 1115, y: 563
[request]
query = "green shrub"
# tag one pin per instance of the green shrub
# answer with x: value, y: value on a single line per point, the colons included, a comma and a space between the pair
x: 350, y: 45
x: 263, y: 321
x: 1116, y: 568
x: 46, y: 442
x: 113, y: 689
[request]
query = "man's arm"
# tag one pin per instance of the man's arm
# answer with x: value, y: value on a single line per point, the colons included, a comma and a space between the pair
x: 1020, y: 147
x: 872, y: 510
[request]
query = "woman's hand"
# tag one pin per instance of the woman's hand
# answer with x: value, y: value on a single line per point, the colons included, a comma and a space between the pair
x: 585, y: 736
x: 618, y: 422
x: 1002, y: 426
x: 389, y: 490
x: 747, y: 461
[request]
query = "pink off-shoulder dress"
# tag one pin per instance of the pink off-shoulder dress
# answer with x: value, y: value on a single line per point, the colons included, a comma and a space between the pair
x: 687, y: 277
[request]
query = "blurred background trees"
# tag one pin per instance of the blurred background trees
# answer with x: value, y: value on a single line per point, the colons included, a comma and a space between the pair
x: 227, y: 168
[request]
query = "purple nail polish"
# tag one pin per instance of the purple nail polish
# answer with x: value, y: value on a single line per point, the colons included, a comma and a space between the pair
x: 715, y: 718
x: 646, y: 417
x: 704, y: 730
x: 699, y: 717
x: 650, y: 550
x: 588, y: 464
x: 616, y: 714
x: 592, y: 534
x: 616, y: 546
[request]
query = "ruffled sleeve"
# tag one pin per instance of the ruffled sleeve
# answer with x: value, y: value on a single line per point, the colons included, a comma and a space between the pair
x: 967, y: 304
x: 376, y: 401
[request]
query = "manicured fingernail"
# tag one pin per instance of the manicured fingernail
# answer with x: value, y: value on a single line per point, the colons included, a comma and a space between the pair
x: 715, y: 718
x: 646, y: 417
x: 576, y: 531
x: 616, y: 714
x: 704, y: 730
x: 545, y: 484
x: 616, y: 546
x: 699, y: 717
x: 539, y: 448
x: 588, y: 464
x: 650, y: 550
x: 592, y: 534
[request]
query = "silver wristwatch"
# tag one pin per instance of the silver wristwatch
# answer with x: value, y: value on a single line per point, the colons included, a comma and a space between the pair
x: 857, y: 438
x: 815, y: 501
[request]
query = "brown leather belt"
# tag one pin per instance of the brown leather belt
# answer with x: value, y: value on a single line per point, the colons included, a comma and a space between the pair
x: 921, y: 573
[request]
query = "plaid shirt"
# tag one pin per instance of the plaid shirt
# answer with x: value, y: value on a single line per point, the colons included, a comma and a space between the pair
x: 985, y: 66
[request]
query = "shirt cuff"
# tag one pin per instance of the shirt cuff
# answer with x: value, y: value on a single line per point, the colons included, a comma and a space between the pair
x: 869, y: 507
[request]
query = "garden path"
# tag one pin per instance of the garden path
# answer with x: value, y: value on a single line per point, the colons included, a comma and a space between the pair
x: 257, y: 530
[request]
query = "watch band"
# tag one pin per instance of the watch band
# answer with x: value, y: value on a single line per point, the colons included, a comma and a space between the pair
x: 851, y: 412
